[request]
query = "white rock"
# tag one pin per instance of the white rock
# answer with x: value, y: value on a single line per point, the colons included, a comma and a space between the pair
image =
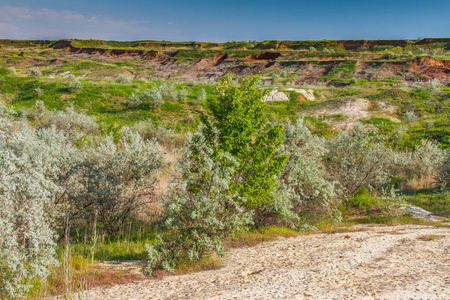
x: 276, y: 95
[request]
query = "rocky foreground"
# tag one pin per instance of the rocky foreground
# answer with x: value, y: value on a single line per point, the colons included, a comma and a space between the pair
x: 374, y: 262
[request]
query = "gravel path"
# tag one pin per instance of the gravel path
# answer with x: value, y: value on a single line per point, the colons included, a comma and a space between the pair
x: 378, y: 262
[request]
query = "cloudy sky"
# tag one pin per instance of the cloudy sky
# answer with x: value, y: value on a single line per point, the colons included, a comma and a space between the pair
x: 219, y: 21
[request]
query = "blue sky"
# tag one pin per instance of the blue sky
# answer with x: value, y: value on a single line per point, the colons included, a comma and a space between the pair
x: 220, y: 21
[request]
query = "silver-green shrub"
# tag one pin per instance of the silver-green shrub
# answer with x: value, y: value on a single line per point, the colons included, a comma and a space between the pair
x: 123, y: 79
x: 358, y: 158
x: 409, y: 116
x: 182, y: 95
x: 75, y: 85
x: 164, y: 135
x: 168, y: 91
x: 67, y: 119
x: 134, y: 100
x: 426, y: 161
x: 444, y: 172
x: 38, y: 92
x: 433, y: 85
x: 200, y: 209
x: 116, y: 179
x: 154, y: 96
x: 27, y: 246
x: 34, y: 72
x: 304, y: 190
x: 202, y: 94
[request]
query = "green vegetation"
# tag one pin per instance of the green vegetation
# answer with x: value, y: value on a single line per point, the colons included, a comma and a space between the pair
x: 99, y: 148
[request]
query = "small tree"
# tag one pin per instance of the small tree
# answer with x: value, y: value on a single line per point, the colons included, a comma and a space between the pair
x: 245, y: 133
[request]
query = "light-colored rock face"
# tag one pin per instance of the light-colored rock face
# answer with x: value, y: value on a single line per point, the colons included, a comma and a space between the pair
x: 308, y: 94
x: 276, y: 95
x: 353, y: 111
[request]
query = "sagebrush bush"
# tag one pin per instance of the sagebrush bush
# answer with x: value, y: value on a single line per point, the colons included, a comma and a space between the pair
x: 154, y: 96
x: 74, y: 86
x: 358, y: 158
x: 444, y: 172
x: 27, y: 212
x: 409, y: 116
x: 38, y: 92
x: 168, y: 91
x: 201, y: 95
x: 134, y: 100
x: 433, y: 85
x: 427, y: 159
x: 115, y: 180
x: 165, y: 136
x: 34, y: 72
x: 200, y: 210
x: 123, y: 79
x: 182, y: 95
x: 67, y: 119
x: 305, y: 193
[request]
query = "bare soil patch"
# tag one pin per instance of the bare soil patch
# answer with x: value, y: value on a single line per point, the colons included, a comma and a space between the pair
x: 376, y: 262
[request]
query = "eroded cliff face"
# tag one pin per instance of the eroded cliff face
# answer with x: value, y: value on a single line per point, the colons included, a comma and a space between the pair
x: 266, y: 58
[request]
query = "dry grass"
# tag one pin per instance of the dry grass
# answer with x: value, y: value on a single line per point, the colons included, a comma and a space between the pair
x: 419, y: 183
x: 84, y: 276
x: 154, y: 207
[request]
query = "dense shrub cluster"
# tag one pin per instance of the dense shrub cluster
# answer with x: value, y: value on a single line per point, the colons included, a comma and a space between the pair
x: 64, y: 169
x: 27, y: 245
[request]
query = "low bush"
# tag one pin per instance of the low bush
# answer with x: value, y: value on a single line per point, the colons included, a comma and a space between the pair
x: 123, y: 79
x: 305, y: 193
x: 358, y: 158
x: 34, y: 73
x: 409, y: 116
x: 38, y: 92
x: 67, y: 119
x: 75, y: 85
x: 165, y: 136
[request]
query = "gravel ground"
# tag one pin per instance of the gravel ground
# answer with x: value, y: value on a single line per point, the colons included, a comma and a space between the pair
x: 377, y: 262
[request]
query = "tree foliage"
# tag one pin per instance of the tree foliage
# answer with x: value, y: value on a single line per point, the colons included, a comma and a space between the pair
x: 245, y: 133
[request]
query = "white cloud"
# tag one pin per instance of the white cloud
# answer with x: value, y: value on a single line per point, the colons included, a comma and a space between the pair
x: 43, y: 23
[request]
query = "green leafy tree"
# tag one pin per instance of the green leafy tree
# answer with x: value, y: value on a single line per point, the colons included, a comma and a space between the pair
x: 245, y: 133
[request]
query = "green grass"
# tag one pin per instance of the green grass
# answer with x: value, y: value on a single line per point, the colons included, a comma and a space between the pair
x: 439, y: 204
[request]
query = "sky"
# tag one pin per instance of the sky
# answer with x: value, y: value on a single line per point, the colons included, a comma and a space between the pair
x: 225, y: 20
